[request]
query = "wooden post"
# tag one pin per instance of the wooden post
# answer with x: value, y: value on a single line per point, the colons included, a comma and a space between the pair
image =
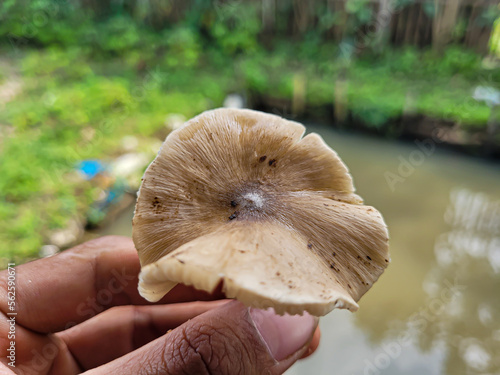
x: 299, y: 94
x: 340, y: 99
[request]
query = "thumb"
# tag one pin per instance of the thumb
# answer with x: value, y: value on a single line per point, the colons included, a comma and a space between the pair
x: 231, y: 339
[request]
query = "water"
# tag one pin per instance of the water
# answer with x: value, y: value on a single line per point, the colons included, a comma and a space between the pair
x: 436, y: 310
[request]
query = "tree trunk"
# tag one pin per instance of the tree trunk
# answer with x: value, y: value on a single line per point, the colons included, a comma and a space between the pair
x: 268, y: 15
x: 410, y: 25
x: 339, y: 7
x: 445, y: 20
x: 301, y: 15
x: 401, y: 27
x: 418, y: 27
x: 383, y: 23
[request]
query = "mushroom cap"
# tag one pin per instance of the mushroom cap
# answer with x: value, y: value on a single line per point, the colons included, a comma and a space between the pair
x: 240, y: 198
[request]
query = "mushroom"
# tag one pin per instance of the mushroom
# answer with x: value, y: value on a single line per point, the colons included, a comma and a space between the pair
x: 240, y: 198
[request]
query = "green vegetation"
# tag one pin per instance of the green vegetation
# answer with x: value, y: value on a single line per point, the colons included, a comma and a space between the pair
x: 91, y: 78
x: 66, y: 113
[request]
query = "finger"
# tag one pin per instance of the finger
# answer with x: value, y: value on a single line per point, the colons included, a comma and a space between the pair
x: 123, y: 329
x: 58, y: 292
x: 227, y: 340
x: 314, y: 344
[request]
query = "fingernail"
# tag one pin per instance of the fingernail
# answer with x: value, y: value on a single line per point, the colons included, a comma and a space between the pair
x: 283, y: 334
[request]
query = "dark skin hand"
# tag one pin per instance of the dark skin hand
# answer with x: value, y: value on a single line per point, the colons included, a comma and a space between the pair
x: 80, y: 311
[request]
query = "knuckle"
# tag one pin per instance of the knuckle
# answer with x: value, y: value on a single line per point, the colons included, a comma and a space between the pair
x: 181, y: 357
x: 206, y: 350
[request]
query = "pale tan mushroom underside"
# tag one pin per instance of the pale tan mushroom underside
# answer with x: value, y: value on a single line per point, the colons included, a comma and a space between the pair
x: 238, y: 197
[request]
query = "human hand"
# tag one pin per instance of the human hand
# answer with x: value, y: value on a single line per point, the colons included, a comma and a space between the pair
x: 80, y: 311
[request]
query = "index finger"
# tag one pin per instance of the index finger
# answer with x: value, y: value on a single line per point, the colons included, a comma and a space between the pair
x: 55, y: 293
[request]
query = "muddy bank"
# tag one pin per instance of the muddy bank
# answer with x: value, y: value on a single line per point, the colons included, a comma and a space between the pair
x: 480, y: 141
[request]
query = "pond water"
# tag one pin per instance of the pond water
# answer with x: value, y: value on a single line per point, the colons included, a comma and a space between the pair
x: 436, y: 310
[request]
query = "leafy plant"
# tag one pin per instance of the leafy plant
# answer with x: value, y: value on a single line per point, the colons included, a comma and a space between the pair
x: 183, y: 47
x: 235, y: 27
